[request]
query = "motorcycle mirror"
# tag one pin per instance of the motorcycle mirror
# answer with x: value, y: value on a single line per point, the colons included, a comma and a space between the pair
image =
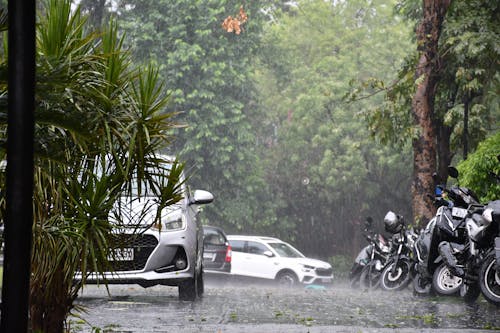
x: 452, y: 172
x: 435, y: 177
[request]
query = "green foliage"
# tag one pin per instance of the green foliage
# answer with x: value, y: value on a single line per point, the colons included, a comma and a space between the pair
x: 208, y: 70
x: 341, y: 265
x: 325, y: 171
x: 475, y: 170
x: 469, y: 74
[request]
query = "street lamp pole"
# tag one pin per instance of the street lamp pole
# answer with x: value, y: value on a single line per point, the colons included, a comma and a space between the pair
x: 19, y: 189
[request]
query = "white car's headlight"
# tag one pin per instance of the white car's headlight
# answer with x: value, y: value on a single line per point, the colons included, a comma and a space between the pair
x: 307, y: 268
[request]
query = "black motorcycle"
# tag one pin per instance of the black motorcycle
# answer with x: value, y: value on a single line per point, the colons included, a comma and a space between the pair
x: 466, y: 259
x: 364, y: 255
x: 380, y: 249
x: 435, y: 268
x: 399, y: 270
x: 489, y: 237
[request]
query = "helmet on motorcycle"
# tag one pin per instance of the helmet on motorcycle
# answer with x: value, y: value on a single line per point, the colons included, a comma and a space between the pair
x: 392, y: 222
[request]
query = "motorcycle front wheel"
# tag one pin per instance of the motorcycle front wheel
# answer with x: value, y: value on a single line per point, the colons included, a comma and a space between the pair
x: 397, y: 280
x: 489, y: 280
x: 370, y: 277
x: 445, y: 283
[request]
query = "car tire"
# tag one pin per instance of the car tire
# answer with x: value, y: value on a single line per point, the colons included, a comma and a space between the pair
x: 188, y: 289
x: 201, y: 283
x: 287, y: 279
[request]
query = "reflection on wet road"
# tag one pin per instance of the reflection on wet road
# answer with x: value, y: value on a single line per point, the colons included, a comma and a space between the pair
x: 256, y: 308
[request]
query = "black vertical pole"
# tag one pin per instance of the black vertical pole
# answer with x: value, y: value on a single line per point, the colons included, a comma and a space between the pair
x: 19, y: 191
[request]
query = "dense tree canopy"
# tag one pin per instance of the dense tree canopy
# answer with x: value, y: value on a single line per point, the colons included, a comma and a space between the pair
x: 208, y: 69
x: 267, y: 128
x: 321, y: 164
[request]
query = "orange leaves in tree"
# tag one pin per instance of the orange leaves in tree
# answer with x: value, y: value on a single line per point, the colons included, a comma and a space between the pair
x: 233, y: 24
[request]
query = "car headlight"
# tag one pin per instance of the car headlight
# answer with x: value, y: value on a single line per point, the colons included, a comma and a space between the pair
x: 307, y: 268
x: 173, y: 221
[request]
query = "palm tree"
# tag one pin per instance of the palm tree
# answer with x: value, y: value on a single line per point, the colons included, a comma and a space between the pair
x: 99, y: 124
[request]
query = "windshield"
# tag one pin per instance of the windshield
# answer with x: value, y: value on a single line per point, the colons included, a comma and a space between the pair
x: 150, y: 185
x: 285, y: 250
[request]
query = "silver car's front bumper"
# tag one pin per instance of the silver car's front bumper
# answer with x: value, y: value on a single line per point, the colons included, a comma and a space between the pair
x: 165, y: 258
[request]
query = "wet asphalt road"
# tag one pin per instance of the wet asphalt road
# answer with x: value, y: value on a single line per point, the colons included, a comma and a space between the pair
x: 254, y: 308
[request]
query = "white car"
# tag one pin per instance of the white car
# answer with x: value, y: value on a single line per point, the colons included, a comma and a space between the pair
x: 272, y: 259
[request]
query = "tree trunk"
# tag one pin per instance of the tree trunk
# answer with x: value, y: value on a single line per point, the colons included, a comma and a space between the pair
x: 424, y: 143
x: 444, y: 153
x: 49, y: 304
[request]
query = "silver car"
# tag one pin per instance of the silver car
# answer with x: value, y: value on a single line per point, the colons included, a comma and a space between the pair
x: 169, y: 253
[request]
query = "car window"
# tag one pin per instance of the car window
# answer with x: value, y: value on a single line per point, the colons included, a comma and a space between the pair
x: 257, y: 248
x: 237, y: 245
x: 214, y: 237
x: 285, y: 250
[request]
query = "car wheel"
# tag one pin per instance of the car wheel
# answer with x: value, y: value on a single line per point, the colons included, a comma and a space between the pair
x: 287, y: 279
x: 201, y: 283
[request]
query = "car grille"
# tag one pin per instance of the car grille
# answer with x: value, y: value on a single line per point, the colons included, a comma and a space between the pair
x: 143, y: 246
x: 324, y: 271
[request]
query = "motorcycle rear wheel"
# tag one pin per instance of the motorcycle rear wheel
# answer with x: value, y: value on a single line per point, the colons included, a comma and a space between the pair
x: 421, y: 285
x: 401, y: 277
x: 445, y: 283
x: 489, y: 280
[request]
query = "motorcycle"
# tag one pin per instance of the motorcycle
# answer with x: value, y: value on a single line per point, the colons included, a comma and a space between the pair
x: 399, y: 271
x: 435, y: 268
x: 489, y: 233
x: 364, y: 255
x: 482, y: 230
x: 380, y: 249
x: 465, y: 260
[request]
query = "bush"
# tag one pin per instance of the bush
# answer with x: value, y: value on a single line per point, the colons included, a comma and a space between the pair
x: 341, y: 265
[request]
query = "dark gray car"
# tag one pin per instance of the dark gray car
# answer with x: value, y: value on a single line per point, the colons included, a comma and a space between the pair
x: 216, y: 251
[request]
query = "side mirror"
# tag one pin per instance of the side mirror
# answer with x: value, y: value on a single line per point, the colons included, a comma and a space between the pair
x: 201, y: 197
x: 268, y: 254
x: 453, y: 172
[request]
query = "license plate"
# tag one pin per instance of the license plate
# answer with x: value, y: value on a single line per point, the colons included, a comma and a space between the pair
x: 458, y: 212
x: 326, y: 280
x: 125, y: 254
x: 209, y: 256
